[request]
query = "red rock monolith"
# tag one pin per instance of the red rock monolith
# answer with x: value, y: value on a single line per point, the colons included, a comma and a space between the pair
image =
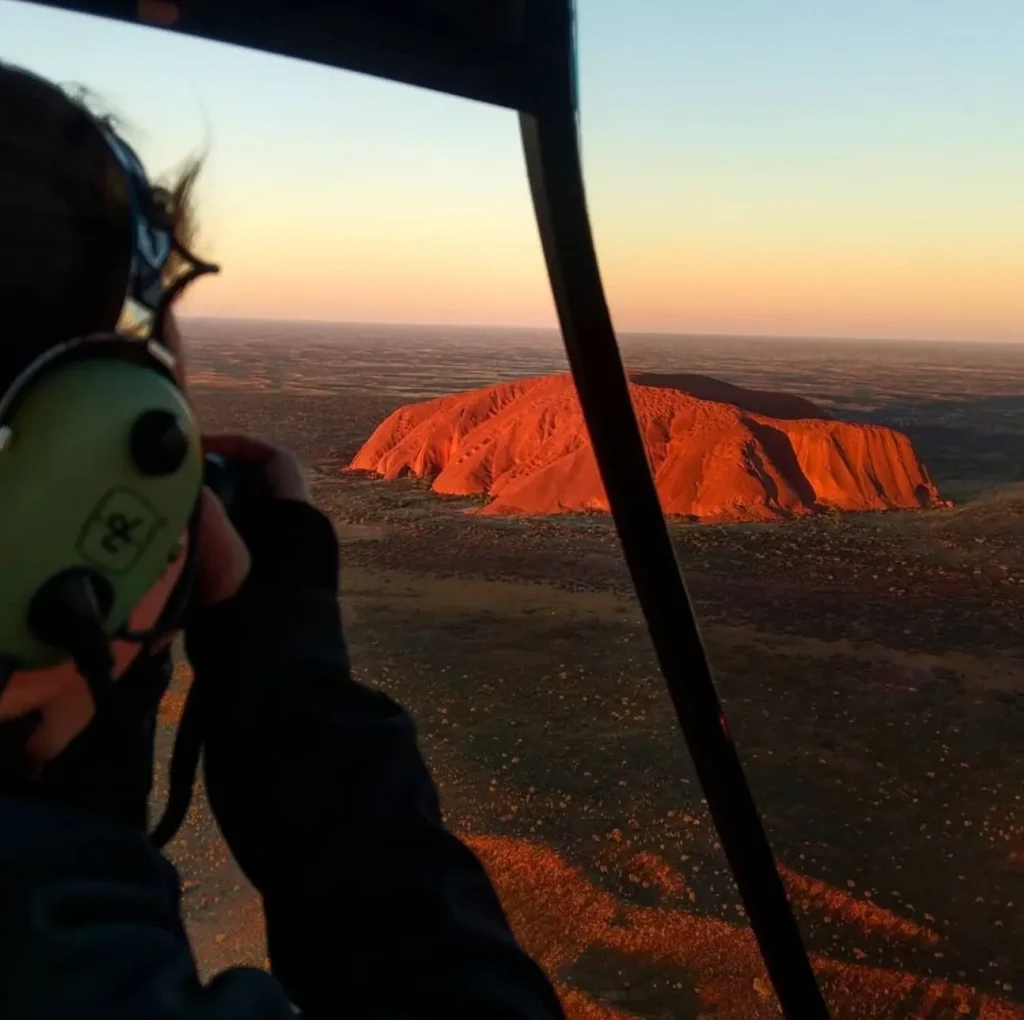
x: 718, y: 452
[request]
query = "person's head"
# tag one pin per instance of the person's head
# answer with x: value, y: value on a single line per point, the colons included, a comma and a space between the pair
x: 66, y: 244
x: 65, y: 228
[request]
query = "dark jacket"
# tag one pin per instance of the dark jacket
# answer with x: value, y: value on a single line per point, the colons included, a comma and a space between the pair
x: 373, y: 908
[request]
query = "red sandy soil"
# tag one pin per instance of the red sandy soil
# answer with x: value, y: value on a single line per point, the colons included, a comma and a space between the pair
x: 718, y: 452
x: 807, y: 895
x: 722, y: 959
x: 560, y: 914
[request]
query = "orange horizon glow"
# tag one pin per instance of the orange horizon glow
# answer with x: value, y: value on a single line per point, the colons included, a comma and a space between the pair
x: 671, y: 290
x: 671, y: 262
x: 748, y: 171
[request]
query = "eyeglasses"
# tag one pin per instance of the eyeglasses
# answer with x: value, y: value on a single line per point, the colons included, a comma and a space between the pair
x: 153, y: 242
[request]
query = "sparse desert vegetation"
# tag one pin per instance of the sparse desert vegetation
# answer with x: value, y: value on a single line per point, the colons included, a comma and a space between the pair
x: 871, y: 666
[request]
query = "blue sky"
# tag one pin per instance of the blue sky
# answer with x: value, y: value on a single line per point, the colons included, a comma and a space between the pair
x: 753, y: 166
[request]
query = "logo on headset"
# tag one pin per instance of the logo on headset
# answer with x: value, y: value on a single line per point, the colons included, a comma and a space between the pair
x: 118, y: 531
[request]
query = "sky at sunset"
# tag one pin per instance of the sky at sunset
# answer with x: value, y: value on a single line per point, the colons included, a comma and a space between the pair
x: 818, y: 167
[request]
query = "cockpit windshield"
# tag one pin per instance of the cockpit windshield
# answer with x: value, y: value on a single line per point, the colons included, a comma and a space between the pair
x: 810, y: 232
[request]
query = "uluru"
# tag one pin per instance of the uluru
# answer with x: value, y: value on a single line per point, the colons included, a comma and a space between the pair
x: 719, y: 452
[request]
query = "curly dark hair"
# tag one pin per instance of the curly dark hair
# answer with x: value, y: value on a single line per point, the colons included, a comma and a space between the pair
x: 65, y: 231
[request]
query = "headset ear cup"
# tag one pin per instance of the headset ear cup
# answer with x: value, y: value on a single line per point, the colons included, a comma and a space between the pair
x: 174, y: 614
x: 159, y: 442
x: 102, y: 473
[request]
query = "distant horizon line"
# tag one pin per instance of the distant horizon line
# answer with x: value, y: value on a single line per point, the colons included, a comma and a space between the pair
x: 836, y: 337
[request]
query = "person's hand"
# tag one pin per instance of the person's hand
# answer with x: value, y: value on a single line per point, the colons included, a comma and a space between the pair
x: 281, y: 470
x: 223, y: 559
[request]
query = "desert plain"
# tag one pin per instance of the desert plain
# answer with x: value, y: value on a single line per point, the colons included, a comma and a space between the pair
x: 871, y: 666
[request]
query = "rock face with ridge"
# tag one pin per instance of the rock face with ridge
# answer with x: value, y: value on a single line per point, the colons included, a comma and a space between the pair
x: 718, y: 452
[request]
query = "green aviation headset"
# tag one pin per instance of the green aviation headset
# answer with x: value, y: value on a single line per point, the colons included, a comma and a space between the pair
x: 101, y: 467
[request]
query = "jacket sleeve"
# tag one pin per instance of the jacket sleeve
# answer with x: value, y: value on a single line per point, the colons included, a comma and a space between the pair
x: 373, y: 908
x: 90, y: 927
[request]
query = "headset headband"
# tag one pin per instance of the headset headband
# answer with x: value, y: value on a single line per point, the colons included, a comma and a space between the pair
x: 147, y: 296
